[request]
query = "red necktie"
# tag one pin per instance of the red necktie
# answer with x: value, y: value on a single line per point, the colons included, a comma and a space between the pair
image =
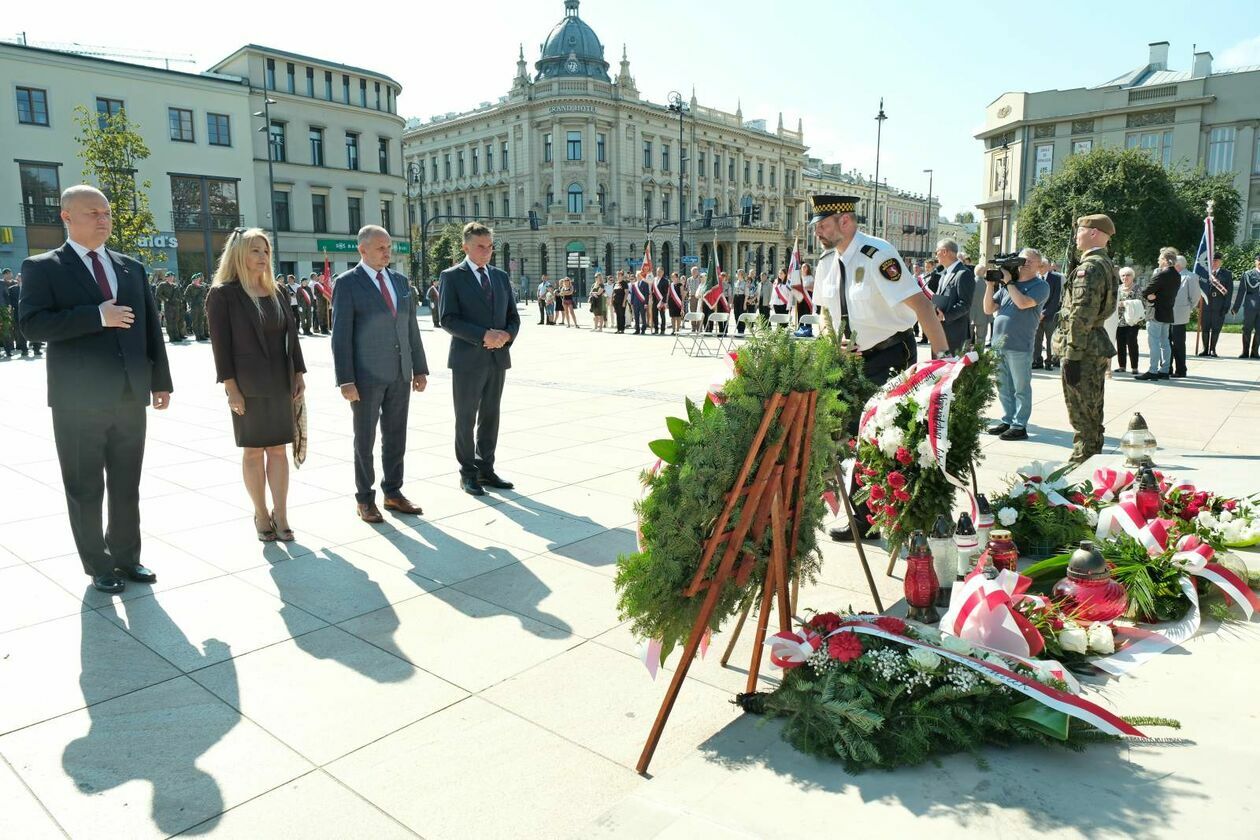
x: 380, y: 281
x: 98, y: 270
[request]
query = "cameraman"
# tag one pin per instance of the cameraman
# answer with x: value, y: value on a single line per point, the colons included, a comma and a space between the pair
x: 1015, y: 304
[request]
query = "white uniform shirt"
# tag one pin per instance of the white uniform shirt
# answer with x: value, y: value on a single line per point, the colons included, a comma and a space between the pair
x: 876, y: 285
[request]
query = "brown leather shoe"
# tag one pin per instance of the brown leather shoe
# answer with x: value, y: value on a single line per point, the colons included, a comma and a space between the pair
x: 370, y: 513
x: 401, y: 505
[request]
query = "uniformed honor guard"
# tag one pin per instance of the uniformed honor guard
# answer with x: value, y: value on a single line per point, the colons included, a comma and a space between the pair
x: 195, y: 297
x: 1081, y: 342
x: 864, y: 288
x: 170, y: 298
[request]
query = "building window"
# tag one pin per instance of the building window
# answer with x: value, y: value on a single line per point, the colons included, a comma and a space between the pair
x: 1255, y: 224
x: 278, y: 144
x: 573, y: 145
x: 459, y: 163
x: 647, y: 154
x: 503, y: 164
x: 747, y: 172
x: 999, y: 174
x: 1043, y: 163
x: 476, y: 161
x: 291, y: 78
x: 1220, y: 157
x: 387, y: 214
x: 489, y: 157
x: 664, y: 207
x: 647, y: 204
x: 219, y: 129
x: 506, y: 211
x: 363, y: 92
x: 378, y: 95
x: 281, y: 202
x: 730, y: 169
x: 449, y: 211
x: 1082, y: 147
x: 701, y: 168
x: 317, y: 146
x: 463, y: 209
x: 319, y: 213
x: 310, y: 82
x: 345, y: 88
x: 41, y: 194
x: 601, y: 148
x: 476, y: 207
x: 601, y: 197
x: 435, y: 171
x: 490, y: 205
x: 551, y: 197
x: 1255, y: 165
x: 354, y: 213
x: 106, y: 108
x: 32, y: 105
x: 664, y: 157
x: 271, y: 74
x: 446, y: 165
x: 761, y: 174
x: 772, y: 178
x: 181, y: 124
x: 1157, y: 144
x: 546, y: 148
x: 352, y: 150
x: 328, y: 85
x: 382, y: 154
x: 575, y: 198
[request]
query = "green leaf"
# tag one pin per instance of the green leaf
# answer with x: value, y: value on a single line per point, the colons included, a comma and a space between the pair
x: 1042, y: 718
x: 1050, y: 567
x: 709, y: 405
x: 665, y: 449
x: 667, y: 647
x: 677, y: 427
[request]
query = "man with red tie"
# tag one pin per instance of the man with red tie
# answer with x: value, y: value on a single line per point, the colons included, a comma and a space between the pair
x: 379, y: 360
x: 106, y: 362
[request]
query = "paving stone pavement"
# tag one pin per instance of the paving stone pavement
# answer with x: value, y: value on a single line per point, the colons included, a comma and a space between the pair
x: 466, y: 674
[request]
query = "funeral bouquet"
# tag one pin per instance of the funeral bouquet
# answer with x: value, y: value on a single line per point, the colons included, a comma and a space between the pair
x: 1043, y: 510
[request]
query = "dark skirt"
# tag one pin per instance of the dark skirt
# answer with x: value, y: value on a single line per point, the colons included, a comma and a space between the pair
x: 267, y: 421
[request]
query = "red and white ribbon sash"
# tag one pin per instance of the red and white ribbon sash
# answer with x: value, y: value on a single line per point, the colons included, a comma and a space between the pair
x: 796, y: 650
x: 1109, y: 482
x: 938, y: 422
x: 673, y: 295
x: 1053, y: 497
x: 778, y: 292
x: 983, y: 611
x: 638, y: 291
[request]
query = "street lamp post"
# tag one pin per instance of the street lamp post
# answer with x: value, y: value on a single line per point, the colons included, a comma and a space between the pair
x: 879, y: 130
x: 676, y: 104
x: 415, y: 175
x: 927, y: 216
x: 265, y: 113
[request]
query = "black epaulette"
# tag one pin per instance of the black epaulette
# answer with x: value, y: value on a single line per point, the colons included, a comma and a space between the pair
x: 869, y: 250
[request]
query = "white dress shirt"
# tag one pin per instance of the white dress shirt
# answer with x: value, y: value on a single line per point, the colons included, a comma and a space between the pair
x: 477, y: 269
x: 106, y: 263
x: 389, y: 283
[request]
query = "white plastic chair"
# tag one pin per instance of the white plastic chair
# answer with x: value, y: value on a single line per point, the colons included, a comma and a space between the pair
x: 780, y: 319
x: 750, y: 320
x: 690, y: 320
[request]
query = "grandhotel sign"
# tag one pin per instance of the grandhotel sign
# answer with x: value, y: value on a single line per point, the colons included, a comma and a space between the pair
x: 571, y: 109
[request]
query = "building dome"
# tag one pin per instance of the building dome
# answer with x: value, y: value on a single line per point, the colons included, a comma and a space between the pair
x: 572, y: 49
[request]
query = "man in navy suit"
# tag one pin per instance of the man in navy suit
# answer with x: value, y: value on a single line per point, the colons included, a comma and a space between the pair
x: 953, y: 297
x: 379, y: 360
x: 478, y: 310
x: 106, y: 361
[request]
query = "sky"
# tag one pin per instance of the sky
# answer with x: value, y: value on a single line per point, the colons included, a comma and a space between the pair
x: 828, y: 63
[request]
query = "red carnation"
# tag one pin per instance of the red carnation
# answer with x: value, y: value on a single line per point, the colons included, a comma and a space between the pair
x: 889, y: 624
x: 844, y: 646
x: 870, y: 520
x: 877, y: 492
x: 853, y: 443
x: 859, y: 478
x: 1191, y: 511
x: 823, y: 622
x: 903, y: 455
x: 1229, y: 504
x: 1077, y: 498
x: 901, y: 495
x: 896, y: 480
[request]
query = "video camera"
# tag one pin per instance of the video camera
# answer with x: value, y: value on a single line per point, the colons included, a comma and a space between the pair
x: 1012, y: 262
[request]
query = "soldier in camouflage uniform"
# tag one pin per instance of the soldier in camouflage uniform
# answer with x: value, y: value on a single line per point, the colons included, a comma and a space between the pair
x: 1081, y: 342
x: 195, y: 298
x: 171, y: 300
x: 306, y: 305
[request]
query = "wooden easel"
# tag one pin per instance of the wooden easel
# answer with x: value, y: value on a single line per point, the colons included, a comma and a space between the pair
x: 773, y: 499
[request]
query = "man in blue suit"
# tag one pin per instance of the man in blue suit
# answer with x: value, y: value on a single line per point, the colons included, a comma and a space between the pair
x: 379, y: 360
x: 478, y: 310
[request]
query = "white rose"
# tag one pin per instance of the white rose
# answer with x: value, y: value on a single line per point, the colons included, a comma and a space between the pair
x: 1091, y: 516
x: 1008, y: 515
x: 886, y: 412
x: 954, y: 644
x: 924, y: 659
x: 1100, y: 638
x: 927, y: 634
x: 890, y: 441
x: 1073, y: 639
x: 1225, y: 516
x: 1206, y: 519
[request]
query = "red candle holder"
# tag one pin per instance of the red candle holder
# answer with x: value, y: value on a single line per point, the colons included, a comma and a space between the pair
x: 1089, y: 592
x: 1002, y: 551
x: 921, y: 582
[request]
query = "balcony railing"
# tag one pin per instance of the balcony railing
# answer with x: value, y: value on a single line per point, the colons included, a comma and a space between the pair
x: 37, y: 214
x: 200, y: 220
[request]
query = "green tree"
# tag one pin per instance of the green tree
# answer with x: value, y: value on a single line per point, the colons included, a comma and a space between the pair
x: 1135, y: 191
x: 964, y: 218
x: 972, y: 245
x: 111, y: 151
x: 1195, y: 188
x: 446, y: 250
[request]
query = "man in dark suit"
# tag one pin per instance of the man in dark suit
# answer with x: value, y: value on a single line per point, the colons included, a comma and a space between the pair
x: 478, y: 310
x: 954, y: 293
x: 105, y: 358
x: 1049, y: 319
x: 1218, y: 289
x: 379, y: 360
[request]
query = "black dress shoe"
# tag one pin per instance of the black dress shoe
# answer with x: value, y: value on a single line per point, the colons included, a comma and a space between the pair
x: 1146, y: 377
x: 844, y: 534
x: 494, y: 481
x: 1014, y: 433
x: 139, y: 574
x: 1162, y: 375
x: 999, y: 428
x: 108, y: 583
x: 1037, y: 365
x: 471, y: 487
x: 1177, y: 375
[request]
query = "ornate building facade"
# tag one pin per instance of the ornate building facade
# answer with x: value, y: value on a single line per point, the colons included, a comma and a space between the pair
x: 598, y: 166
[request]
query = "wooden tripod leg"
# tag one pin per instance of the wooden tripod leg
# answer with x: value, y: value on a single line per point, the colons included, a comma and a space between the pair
x: 857, y: 540
x: 778, y: 560
x: 763, y: 620
x: 739, y: 625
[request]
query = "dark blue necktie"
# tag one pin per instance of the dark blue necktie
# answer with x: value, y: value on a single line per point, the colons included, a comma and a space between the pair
x: 486, y: 292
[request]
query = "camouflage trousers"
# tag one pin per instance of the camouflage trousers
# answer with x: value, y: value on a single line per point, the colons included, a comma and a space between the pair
x: 1084, y: 402
x: 200, y: 329
x: 174, y: 323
